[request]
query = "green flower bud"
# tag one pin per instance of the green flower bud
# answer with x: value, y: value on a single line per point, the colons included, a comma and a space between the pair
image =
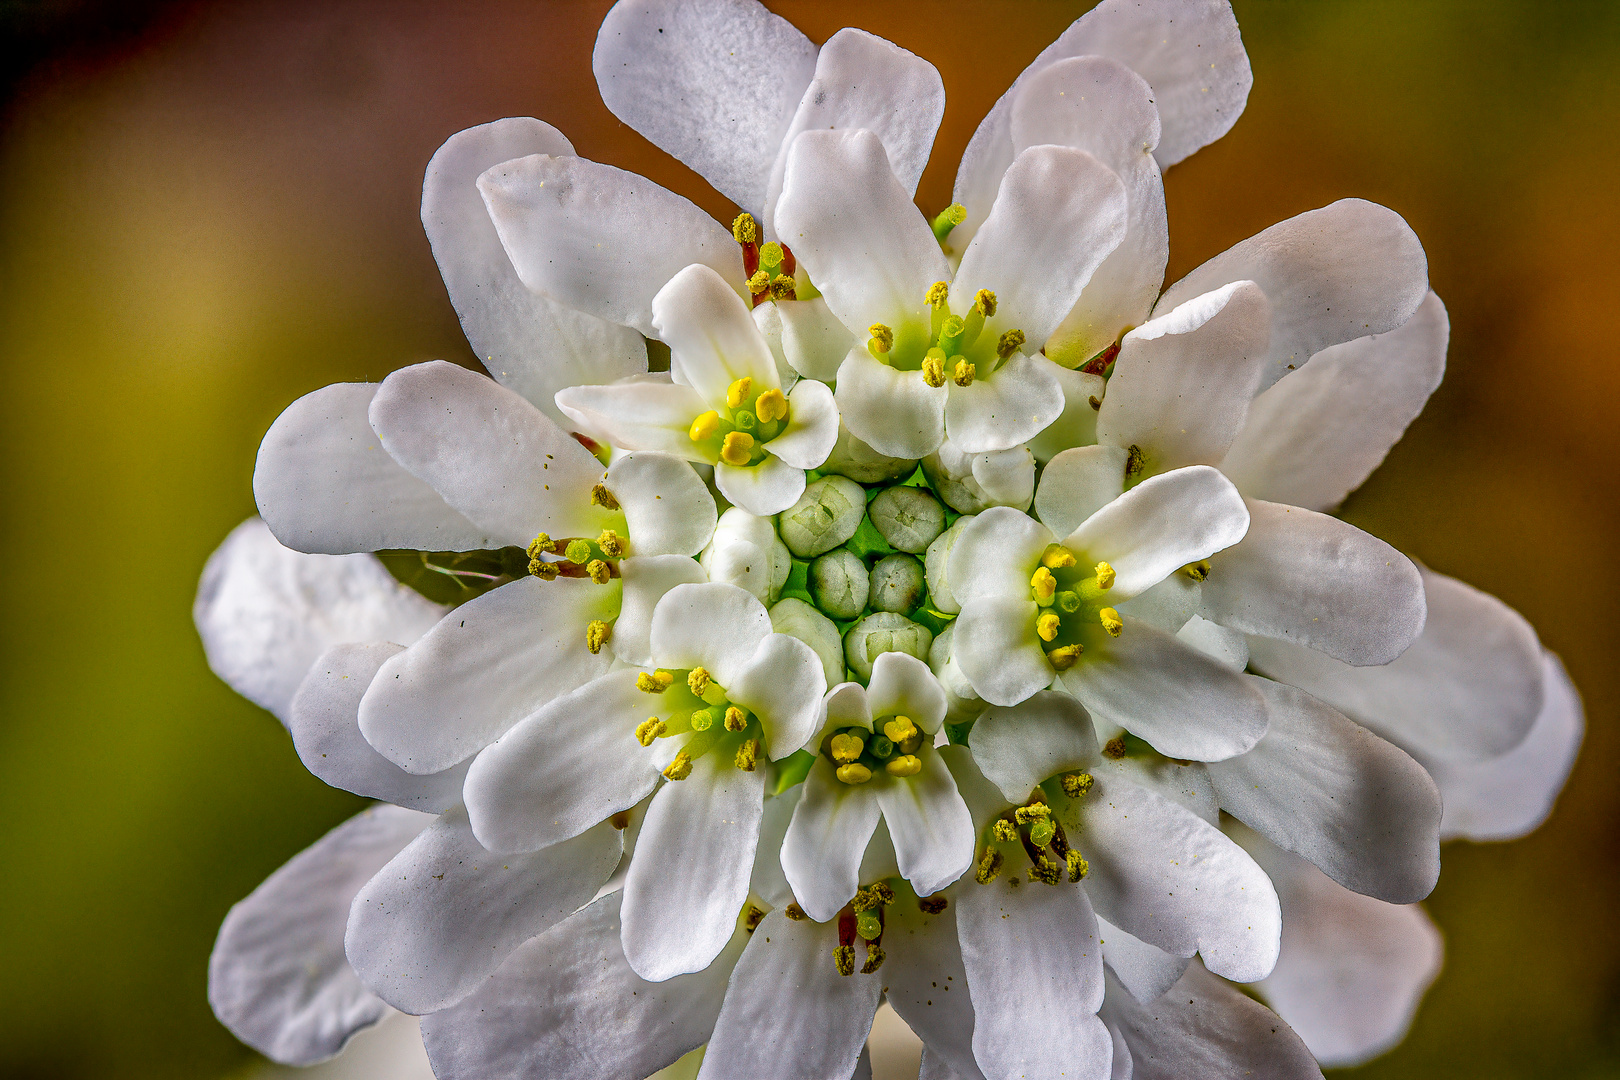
x: 795, y: 618
x: 897, y: 584
x: 883, y: 632
x: 827, y: 514
x: 855, y: 459
x: 839, y: 584
x: 909, y: 518
x: 935, y: 561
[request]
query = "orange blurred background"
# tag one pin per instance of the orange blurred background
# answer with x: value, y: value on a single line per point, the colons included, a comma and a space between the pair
x: 207, y: 210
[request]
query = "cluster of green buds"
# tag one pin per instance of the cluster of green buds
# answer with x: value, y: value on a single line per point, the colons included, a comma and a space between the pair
x: 857, y: 754
x: 769, y: 267
x: 1034, y: 831
x: 1071, y: 598
x: 951, y: 338
x: 738, y: 435
x: 700, y: 711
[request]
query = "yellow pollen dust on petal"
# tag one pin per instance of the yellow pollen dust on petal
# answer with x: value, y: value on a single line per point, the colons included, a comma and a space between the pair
x: 905, y: 765
x: 900, y: 729
x: 964, y: 373
x: 654, y: 682
x: 736, y: 719
x: 1057, y: 557
x: 697, y: 681
x: 1105, y: 576
x: 737, y: 392
x: 736, y: 448
x: 933, y: 369
x: 846, y: 748
x: 747, y: 758
x: 650, y: 729
x: 771, y: 405
x: 1111, y: 621
x: 680, y: 768
x: 854, y: 773
x: 596, y: 635
x: 601, y: 496
x: 1048, y: 625
x: 1010, y: 342
x: 1066, y: 656
x: 745, y: 230
x: 599, y: 571
x: 1042, y: 584
x: 704, y: 426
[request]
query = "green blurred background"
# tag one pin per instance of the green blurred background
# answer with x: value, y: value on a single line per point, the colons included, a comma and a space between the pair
x: 207, y: 210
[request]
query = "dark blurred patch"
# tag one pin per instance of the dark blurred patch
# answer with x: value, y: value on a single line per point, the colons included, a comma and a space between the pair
x: 48, y: 33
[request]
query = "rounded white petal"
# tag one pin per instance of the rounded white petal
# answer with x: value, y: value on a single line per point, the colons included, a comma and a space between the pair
x: 324, y: 721
x: 831, y: 826
x: 278, y: 977
x: 764, y: 489
x: 530, y: 343
x: 437, y: 921
x: 493, y: 456
x: 1147, y: 971
x: 1313, y: 580
x: 926, y: 984
x: 1313, y: 437
x: 1077, y: 483
x: 484, y: 667
x: 1216, y: 642
x: 929, y: 824
x: 577, y: 231
x: 1007, y: 406
x: 814, y: 342
x: 265, y: 613
x: 894, y: 412
x: 1077, y: 426
x: 644, y: 580
x: 689, y: 874
x: 1018, y: 747
x: 812, y: 426
x: 747, y: 552
x: 903, y: 685
x: 996, y: 647
x: 782, y: 684
x: 711, y: 625
x: 996, y: 554
x: 325, y: 484
x: 712, y: 338
x: 644, y: 414
x: 1332, y: 275
x: 668, y: 509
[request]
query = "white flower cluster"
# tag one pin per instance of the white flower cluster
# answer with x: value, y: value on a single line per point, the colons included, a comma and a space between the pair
x: 959, y: 621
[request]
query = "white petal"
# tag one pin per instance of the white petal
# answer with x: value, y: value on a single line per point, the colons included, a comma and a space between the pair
x: 768, y: 882
x: 863, y: 81
x: 1004, y: 408
x: 1469, y: 688
x: 764, y: 489
x: 573, y: 763
x: 996, y: 554
x: 1006, y: 477
x: 277, y: 976
x: 324, y: 484
x: 1147, y: 971
x: 1182, y: 383
x: 1326, y: 788
x: 325, y: 724
x: 1353, y: 969
x: 813, y: 340
x: 1185, y: 704
x: 265, y: 613
x: 1313, y: 580
x: 1104, y: 108
x: 894, y: 412
x: 1033, y: 966
x: 1077, y: 426
x: 748, y: 553
x: 1169, y: 605
x: 578, y: 232
x: 1058, y: 214
x: 567, y: 1006
x: 903, y: 685
x: 1172, y: 879
x: 712, y: 338
x: 689, y: 875
x: 1161, y: 525
x: 667, y: 506
x: 1217, y: 1032
x: 1342, y: 272
x: 1216, y: 642
x: 530, y: 343
x: 812, y: 426
x: 647, y: 414
x: 1506, y: 797
x: 846, y: 705
x: 493, y: 661
x: 439, y: 919
x: 788, y: 1014
x: 831, y: 826
x: 925, y: 982
x: 1313, y: 438
x: 493, y: 456
x: 1018, y: 747
x: 782, y: 684
x: 857, y: 233
x: 646, y: 578
x: 714, y: 626
x: 996, y: 647
x: 929, y: 825
x: 1077, y: 483
x: 715, y: 85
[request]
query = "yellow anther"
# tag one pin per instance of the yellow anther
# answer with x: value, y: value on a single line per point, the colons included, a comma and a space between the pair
x: 737, y: 392
x: 964, y: 373
x: 697, y: 681
x: 1042, y: 584
x: 1198, y: 571
x: 1078, y: 868
x: 736, y: 719
x: 874, y: 958
x: 752, y: 917
x: 905, y: 765
x: 680, y: 768
x: 1004, y: 831
x: 933, y: 370
x: 1048, y: 625
x: 934, y: 905
x: 1105, y: 576
x: 545, y: 571
x: 759, y: 283
x: 1134, y: 460
x: 704, y: 426
x: 783, y: 288
x: 745, y: 230
x: 882, y: 339
x: 1024, y: 815
x: 1111, y: 621
x: 621, y: 820
x: 747, y: 758
x: 736, y: 448
x: 772, y: 405
x: 1065, y: 656
x: 595, y: 635
x: 539, y: 545
x: 984, y: 303
x: 601, y: 496
x: 599, y: 571
x: 846, y: 748
x: 1056, y: 557
x: 612, y: 544
x: 650, y: 729
x: 854, y: 773
x: 1114, y: 748
x: 654, y: 683
x: 796, y: 913
x: 937, y: 294
x: 989, y: 866
x: 1076, y: 784
x: 900, y: 729
x: 844, y: 959
x: 1010, y: 342
x: 1046, y: 871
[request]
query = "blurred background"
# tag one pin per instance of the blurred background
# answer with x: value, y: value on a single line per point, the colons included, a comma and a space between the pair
x: 208, y: 210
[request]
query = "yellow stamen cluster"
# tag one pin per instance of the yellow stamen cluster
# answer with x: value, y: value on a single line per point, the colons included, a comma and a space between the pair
x: 938, y: 293
x: 697, y: 681
x: 596, y: 635
x: 612, y: 544
x: 745, y: 230
x: 1065, y: 657
x: 760, y: 283
x: 601, y: 496
x: 704, y: 426
x: 1105, y: 576
x: 854, y: 773
x: 1111, y: 621
x: 933, y: 371
x: 598, y: 571
x: 1057, y: 557
x: 904, y: 765
x: 1047, y: 625
x: 1009, y: 343
x: 964, y: 373
x: 736, y: 719
x: 1076, y: 785
x: 1042, y: 584
x: 846, y: 748
x: 881, y: 341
